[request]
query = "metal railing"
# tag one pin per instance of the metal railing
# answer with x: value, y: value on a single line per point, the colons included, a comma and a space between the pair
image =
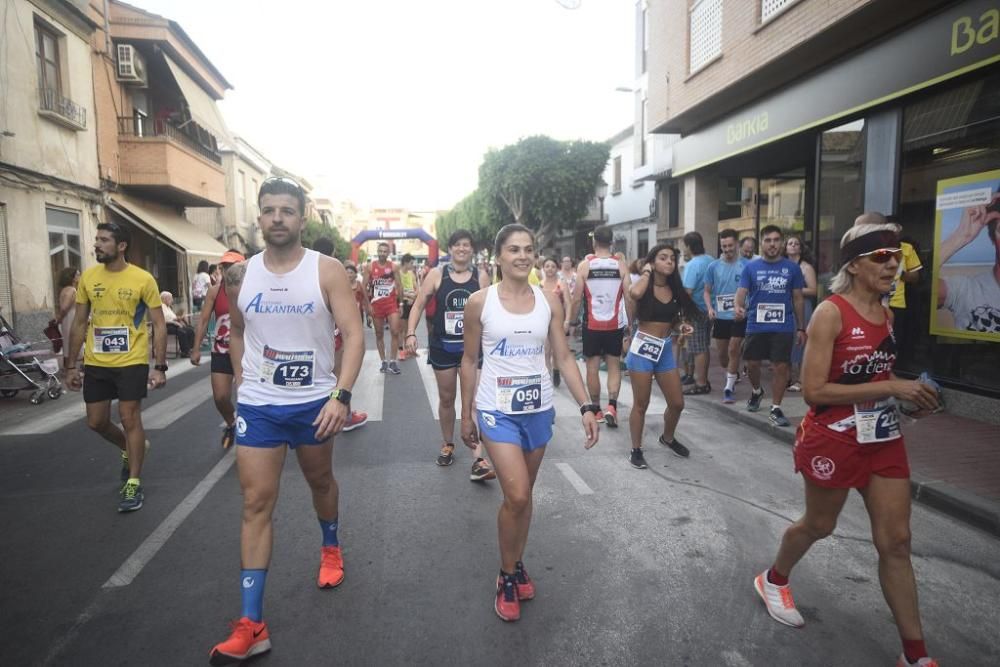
x: 49, y: 99
x: 192, y: 135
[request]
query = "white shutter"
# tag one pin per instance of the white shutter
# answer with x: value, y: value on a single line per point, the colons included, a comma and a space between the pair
x: 771, y: 8
x: 705, y: 33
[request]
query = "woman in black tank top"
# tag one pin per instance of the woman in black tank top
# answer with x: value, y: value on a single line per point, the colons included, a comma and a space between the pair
x: 661, y: 304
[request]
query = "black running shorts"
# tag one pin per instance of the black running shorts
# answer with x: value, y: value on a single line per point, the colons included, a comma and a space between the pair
x: 221, y: 363
x: 103, y: 383
x: 726, y: 329
x: 775, y: 347
x: 601, y: 343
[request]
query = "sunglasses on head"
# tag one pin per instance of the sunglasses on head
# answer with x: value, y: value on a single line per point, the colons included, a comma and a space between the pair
x: 883, y: 255
x: 281, y: 179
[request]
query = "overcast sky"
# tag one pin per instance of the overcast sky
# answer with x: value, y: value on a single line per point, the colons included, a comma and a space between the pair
x: 393, y: 102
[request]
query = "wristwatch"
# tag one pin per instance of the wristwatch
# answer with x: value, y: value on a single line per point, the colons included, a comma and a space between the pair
x: 161, y: 367
x: 341, y: 395
x: 589, y: 407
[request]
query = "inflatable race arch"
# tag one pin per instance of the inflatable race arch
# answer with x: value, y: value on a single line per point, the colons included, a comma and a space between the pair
x: 393, y: 235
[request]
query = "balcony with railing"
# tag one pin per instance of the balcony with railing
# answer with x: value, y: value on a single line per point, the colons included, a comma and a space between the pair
x: 56, y: 107
x: 177, y: 163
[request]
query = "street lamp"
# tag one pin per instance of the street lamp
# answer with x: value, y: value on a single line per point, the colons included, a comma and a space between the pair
x: 602, y: 192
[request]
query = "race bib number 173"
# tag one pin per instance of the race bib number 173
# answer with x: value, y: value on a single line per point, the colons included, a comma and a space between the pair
x: 287, y: 369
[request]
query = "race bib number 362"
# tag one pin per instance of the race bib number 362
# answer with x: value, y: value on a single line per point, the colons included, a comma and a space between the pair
x: 287, y: 369
x: 519, y: 394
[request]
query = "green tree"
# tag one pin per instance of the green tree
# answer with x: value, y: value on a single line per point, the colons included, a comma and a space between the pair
x: 470, y: 214
x: 314, y: 229
x: 541, y: 183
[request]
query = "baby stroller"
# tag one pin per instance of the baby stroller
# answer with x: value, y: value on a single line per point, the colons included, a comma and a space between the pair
x: 21, y: 370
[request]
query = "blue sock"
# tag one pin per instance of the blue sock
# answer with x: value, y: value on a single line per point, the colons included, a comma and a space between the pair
x: 252, y: 593
x: 329, y: 533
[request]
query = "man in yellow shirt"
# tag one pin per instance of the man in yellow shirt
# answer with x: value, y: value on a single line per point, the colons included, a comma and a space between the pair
x: 114, y: 300
x: 908, y: 272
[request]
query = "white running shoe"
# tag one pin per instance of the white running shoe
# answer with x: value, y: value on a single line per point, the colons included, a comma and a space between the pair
x: 778, y: 600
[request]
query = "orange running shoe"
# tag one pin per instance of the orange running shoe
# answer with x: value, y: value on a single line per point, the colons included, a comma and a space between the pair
x: 507, y: 606
x: 611, y: 416
x: 355, y: 420
x: 331, y: 568
x: 525, y: 586
x: 247, y: 639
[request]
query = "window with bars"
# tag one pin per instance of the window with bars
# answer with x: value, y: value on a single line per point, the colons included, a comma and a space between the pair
x: 47, y: 55
x: 705, y: 33
x: 772, y: 8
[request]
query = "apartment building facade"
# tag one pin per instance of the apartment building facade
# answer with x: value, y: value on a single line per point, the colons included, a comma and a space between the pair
x: 158, y: 140
x: 630, y: 201
x: 50, y: 199
x: 805, y: 113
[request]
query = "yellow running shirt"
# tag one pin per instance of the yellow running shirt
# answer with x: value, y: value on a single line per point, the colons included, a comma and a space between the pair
x: 910, y: 262
x: 119, y: 301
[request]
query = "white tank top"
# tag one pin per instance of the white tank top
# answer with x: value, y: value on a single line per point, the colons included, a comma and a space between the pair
x: 604, y: 292
x: 288, y: 335
x: 514, y: 379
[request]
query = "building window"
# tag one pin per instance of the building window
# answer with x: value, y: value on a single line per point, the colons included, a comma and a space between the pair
x: 47, y: 55
x: 616, y: 175
x: 841, y: 191
x: 950, y: 153
x: 674, y: 206
x: 642, y: 37
x: 642, y: 243
x: 705, y: 33
x: 769, y: 9
x: 64, y: 240
x: 241, y: 195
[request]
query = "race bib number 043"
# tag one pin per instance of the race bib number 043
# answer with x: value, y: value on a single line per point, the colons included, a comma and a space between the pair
x: 287, y: 369
x: 111, y: 340
x: 517, y: 395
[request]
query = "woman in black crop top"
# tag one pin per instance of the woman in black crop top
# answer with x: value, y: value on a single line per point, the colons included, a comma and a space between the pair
x: 661, y: 305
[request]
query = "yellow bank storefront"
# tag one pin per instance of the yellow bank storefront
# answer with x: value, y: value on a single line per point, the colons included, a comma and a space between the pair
x: 908, y: 126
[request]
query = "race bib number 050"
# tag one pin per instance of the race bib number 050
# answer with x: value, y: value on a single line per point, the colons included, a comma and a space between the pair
x: 770, y: 313
x: 287, y: 369
x: 517, y: 395
x: 111, y: 340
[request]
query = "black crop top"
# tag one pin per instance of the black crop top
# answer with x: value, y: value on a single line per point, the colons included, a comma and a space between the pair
x: 651, y: 309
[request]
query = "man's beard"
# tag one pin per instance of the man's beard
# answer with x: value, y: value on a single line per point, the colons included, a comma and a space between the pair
x: 105, y: 258
x: 290, y: 238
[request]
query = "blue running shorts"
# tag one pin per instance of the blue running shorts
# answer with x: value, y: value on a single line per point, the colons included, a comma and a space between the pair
x: 531, y: 431
x: 276, y: 425
x: 638, y: 364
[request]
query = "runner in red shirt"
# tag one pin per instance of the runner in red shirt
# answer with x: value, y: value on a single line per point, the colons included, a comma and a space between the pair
x: 850, y: 439
x: 217, y: 303
x: 382, y: 282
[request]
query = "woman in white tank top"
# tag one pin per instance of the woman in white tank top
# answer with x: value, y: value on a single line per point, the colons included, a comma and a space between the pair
x: 511, y: 408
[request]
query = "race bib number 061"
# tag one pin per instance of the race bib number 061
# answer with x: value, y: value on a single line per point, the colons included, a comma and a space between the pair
x: 287, y: 369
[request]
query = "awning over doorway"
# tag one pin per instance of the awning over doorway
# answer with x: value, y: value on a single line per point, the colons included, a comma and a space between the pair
x: 165, y: 222
x: 203, y: 108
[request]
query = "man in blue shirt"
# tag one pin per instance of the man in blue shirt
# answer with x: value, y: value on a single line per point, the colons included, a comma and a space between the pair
x: 719, y: 296
x: 774, y: 286
x: 694, y: 283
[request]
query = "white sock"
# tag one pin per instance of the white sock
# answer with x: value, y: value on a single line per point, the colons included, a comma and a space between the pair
x: 730, y: 381
x: 776, y: 406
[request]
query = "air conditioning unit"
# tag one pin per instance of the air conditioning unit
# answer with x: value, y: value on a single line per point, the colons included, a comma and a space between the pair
x: 131, y: 66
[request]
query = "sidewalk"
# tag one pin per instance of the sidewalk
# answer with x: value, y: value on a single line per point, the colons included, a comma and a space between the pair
x: 954, y: 462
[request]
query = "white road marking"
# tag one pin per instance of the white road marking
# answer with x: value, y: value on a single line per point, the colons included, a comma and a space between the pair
x: 133, y: 565
x: 50, y: 421
x: 430, y: 381
x: 574, y: 479
x: 369, y: 390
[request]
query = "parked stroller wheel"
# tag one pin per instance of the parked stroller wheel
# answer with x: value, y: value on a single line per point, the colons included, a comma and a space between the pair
x: 8, y: 393
x: 37, y: 397
x: 54, y: 392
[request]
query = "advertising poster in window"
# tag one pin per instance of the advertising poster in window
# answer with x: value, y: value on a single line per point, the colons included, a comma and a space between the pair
x: 966, y: 274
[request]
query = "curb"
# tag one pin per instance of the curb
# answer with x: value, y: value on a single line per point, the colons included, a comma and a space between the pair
x: 968, y: 508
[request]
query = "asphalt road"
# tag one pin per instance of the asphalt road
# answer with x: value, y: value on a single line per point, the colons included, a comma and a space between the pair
x: 632, y: 567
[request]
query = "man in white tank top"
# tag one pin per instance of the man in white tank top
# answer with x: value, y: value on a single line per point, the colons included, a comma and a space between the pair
x: 600, y: 286
x: 281, y: 344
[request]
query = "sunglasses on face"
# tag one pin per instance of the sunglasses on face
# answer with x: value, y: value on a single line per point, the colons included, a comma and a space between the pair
x: 883, y: 255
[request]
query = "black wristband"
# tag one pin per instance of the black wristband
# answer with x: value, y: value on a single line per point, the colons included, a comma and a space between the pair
x: 589, y: 407
x: 342, y: 395
x: 408, y: 336
x: 161, y: 367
